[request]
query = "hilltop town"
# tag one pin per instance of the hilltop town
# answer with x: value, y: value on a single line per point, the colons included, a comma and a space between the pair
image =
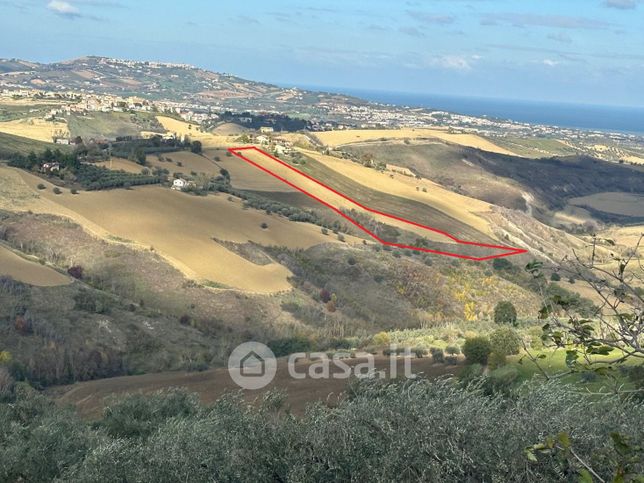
x: 97, y: 84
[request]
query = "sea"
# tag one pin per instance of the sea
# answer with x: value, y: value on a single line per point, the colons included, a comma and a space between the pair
x: 623, y: 119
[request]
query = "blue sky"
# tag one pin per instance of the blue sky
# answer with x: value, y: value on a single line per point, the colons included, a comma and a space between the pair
x: 589, y: 51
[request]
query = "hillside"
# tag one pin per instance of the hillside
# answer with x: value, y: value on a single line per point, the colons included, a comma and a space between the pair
x: 156, y: 80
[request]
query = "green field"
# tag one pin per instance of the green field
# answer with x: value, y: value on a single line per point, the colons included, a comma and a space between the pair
x: 10, y: 144
x: 111, y: 125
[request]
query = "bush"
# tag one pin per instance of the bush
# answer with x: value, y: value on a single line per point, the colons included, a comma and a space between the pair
x: 453, y: 350
x: 290, y: 345
x: 419, y: 352
x: 506, y: 341
x: 76, y: 271
x: 505, y: 313
x: 477, y: 350
x: 555, y: 277
x: 501, y: 264
x: 74, y: 191
x: 185, y: 319
x: 41, y: 186
x: 502, y: 380
x: 496, y: 359
x: 451, y: 360
x: 57, y: 190
x: 381, y: 339
x: 264, y: 226
x: 438, y: 355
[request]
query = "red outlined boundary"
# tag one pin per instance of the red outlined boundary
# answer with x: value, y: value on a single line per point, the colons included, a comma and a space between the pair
x: 506, y: 250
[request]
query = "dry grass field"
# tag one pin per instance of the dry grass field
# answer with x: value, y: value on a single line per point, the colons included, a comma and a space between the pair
x: 351, y: 136
x: 391, y: 181
x: 626, y: 204
x: 178, y: 226
x: 329, y: 197
x: 29, y: 272
x: 34, y: 128
x: 183, y: 128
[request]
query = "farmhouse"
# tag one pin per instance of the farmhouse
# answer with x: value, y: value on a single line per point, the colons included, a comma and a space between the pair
x: 261, y: 139
x: 266, y: 129
x: 180, y: 184
x: 50, y: 167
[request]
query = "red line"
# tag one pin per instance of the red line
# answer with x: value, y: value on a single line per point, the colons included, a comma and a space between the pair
x: 510, y: 250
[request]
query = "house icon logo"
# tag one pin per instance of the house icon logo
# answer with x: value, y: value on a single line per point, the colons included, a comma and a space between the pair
x: 252, y: 365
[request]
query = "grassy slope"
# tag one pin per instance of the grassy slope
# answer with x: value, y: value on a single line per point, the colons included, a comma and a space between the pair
x: 10, y: 144
x: 503, y: 180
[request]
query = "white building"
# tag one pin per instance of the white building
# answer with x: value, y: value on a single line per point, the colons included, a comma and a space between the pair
x: 180, y: 184
x: 262, y: 139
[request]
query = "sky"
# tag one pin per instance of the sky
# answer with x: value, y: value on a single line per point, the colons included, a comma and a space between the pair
x: 582, y: 51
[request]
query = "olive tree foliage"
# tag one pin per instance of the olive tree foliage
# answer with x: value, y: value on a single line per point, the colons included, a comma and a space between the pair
x: 614, y: 333
x: 417, y: 430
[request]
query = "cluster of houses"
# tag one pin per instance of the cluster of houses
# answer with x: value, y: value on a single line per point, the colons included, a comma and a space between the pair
x: 278, y: 144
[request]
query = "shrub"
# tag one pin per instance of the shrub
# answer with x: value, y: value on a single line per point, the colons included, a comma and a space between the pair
x: 506, y: 341
x: 420, y: 352
x: 496, y: 359
x: 76, y: 271
x: 325, y: 295
x: 555, y: 277
x: 41, y: 186
x: 502, y: 380
x: 290, y: 345
x: 185, y: 319
x: 57, y: 190
x: 451, y: 360
x: 264, y: 226
x: 501, y: 264
x: 381, y: 339
x: 505, y: 313
x: 453, y: 350
x: 471, y: 373
x: 74, y: 191
x: 477, y: 350
x: 535, y: 333
x: 23, y: 325
x: 438, y: 355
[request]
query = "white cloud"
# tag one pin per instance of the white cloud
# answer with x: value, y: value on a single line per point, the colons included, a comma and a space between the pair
x: 550, y: 62
x: 63, y: 8
x: 621, y: 4
x: 447, y: 62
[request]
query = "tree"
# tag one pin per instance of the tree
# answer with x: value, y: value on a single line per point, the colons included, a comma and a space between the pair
x: 501, y: 264
x: 476, y: 350
x: 325, y: 295
x: 505, y: 313
x: 196, y: 147
x: 76, y: 271
x: 506, y: 340
x: 614, y: 330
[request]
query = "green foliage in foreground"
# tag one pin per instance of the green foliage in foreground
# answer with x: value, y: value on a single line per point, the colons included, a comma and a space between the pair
x: 418, y: 431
